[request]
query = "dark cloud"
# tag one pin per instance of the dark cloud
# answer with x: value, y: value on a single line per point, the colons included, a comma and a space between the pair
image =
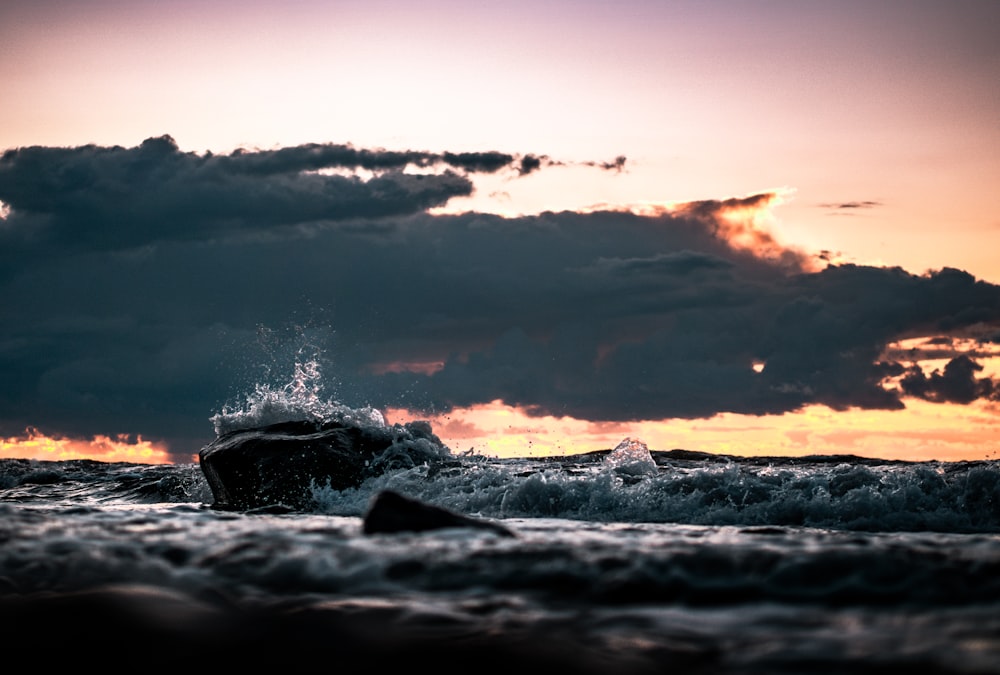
x: 120, y: 198
x: 115, y: 198
x: 864, y: 204
x: 150, y: 287
x: 618, y: 164
x: 956, y: 384
x: 848, y: 208
x: 487, y: 162
x: 530, y: 163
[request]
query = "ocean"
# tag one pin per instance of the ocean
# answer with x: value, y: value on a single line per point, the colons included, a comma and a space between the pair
x: 629, y: 560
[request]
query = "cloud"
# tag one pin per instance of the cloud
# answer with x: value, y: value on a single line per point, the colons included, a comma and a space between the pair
x: 146, y: 288
x: 531, y: 163
x: 863, y: 204
x: 957, y: 383
x: 115, y: 198
x: 618, y: 164
x: 850, y: 208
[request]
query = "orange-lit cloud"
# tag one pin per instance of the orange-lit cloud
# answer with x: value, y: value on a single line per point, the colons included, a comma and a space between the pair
x: 35, y: 445
x: 747, y: 224
x: 744, y: 223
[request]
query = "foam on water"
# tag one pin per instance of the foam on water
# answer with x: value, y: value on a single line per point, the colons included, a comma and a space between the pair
x: 639, y: 486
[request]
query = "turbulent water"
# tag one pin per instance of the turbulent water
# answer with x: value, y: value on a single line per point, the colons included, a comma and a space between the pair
x: 623, y: 561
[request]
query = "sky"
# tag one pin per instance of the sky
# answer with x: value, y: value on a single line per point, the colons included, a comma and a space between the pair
x: 756, y: 228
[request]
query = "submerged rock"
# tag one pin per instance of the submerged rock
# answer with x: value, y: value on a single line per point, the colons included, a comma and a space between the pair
x: 391, y: 512
x: 279, y: 464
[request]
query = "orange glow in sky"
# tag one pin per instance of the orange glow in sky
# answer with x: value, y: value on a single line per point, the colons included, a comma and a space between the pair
x: 924, y: 431
x: 35, y: 445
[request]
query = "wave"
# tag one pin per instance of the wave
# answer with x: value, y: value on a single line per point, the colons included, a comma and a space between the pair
x: 629, y: 483
x: 683, y: 488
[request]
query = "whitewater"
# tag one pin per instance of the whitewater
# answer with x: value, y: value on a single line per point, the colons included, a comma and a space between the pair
x: 624, y: 560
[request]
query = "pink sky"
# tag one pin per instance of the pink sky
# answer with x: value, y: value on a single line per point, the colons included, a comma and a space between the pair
x: 876, y: 121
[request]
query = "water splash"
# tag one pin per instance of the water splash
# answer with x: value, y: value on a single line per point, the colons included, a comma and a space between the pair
x: 631, y: 456
x: 300, y: 399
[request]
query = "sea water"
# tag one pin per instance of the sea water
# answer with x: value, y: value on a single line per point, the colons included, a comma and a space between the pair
x: 628, y: 560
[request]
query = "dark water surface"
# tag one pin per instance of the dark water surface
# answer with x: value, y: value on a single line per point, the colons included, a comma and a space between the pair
x: 626, y: 561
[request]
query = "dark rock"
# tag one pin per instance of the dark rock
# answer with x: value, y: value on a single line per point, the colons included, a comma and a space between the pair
x: 391, y: 512
x: 277, y: 465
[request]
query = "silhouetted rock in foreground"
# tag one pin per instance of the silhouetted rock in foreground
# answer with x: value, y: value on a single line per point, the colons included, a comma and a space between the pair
x: 278, y: 465
x: 392, y: 512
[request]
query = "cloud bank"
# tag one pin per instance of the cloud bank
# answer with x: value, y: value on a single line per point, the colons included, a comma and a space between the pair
x: 144, y: 288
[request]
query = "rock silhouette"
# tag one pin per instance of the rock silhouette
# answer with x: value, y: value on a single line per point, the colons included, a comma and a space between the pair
x: 276, y: 466
x: 392, y: 512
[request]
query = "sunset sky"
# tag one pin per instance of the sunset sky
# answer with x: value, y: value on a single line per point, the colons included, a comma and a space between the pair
x: 729, y: 226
